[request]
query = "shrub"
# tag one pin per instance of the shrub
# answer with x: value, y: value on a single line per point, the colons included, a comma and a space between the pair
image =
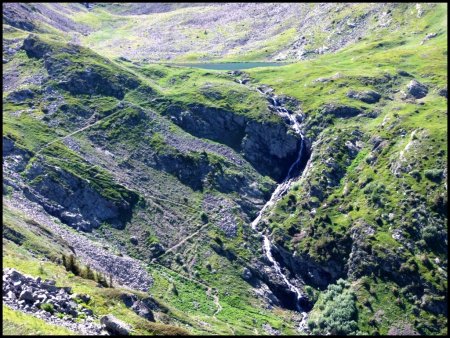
x: 432, y: 236
x: 434, y: 175
x: 89, y: 274
x: 339, y: 314
x: 173, y: 289
x: 48, y: 307
x: 204, y: 217
x: 416, y: 174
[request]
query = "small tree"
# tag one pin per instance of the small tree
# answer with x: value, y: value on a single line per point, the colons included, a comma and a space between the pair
x: 204, y: 217
x: 101, y: 280
x: 89, y: 273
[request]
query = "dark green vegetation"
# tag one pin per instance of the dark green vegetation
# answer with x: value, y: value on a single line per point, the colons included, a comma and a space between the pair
x: 169, y: 165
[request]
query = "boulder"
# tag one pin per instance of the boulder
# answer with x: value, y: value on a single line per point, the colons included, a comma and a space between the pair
x: 85, y: 298
x: 88, y: 312
x: 340, y: 110
x: 128, y: 299
x: 417, y: 89
x: 403, y: 73
x: 142, y: 310
x: 14, y: 275
x: 246, y: 274
x: 27, y: 296
x: 11, y: 295
x: 21, y: 95
x: 156, y: 249
x: 368, y: 96
x: 443, y: 92
x: 50, y: 288
x: 115, y: 326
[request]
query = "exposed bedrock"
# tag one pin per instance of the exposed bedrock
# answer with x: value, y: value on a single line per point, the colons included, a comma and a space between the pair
x: 268, y: 146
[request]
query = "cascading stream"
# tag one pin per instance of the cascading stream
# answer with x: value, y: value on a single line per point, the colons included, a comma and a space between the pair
x: 288, y: 180
x: 278, y: 194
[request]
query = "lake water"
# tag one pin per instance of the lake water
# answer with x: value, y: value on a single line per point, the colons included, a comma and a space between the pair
x: 231, y: 65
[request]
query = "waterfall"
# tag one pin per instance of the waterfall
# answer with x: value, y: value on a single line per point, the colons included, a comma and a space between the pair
x: 281, y: 189
x: 276, y: 265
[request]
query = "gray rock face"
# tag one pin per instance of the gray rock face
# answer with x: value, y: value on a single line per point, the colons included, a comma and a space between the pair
x: 417, y: 89
x: 15, y: 158
x: 115, y: 326
x: 142, y: 307
x: 34, y: 48
x: 267, y: 146
x: 72, y: 199
x: 21, y: 95
x: 270, y: 330
x: 270, y: 148
x: 368, y: 96
x: 341, y: 111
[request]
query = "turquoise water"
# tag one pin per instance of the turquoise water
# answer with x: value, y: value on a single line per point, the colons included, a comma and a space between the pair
x: 231, y: 65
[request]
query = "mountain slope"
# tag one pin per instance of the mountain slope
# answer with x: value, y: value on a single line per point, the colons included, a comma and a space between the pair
x: 171, y: 182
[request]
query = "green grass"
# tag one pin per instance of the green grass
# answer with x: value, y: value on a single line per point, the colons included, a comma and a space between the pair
x: 363, y: 195
x: 16, y: 323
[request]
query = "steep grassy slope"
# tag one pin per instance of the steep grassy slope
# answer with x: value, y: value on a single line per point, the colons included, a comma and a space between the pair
x: 82, y: 131
x: 177, y: 162
x: 372, y: 205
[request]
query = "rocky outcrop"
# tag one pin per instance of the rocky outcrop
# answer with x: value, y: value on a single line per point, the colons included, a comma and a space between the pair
x: 417, y: 89
x: 18, y: 15
x: 142, y: 307
x: 338, y: 110
x: 43, y: 299
x: 35, y: 48
x: 208, y: 122
x: 72, y: 199
x: 368, y: 96
x: 72, y: 67
x: 124, y: 270
x: 266, y: 145
x: 115, y: 326
x: 21, y: 95
x: 270, y: 148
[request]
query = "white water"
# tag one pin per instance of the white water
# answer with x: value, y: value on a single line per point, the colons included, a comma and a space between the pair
x: 277, y: 194
x: 280, y: 190
x: 267, y: 250
x: 285, y: 185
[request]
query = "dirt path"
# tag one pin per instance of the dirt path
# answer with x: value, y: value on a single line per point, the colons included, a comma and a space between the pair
x: 74, y: 132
